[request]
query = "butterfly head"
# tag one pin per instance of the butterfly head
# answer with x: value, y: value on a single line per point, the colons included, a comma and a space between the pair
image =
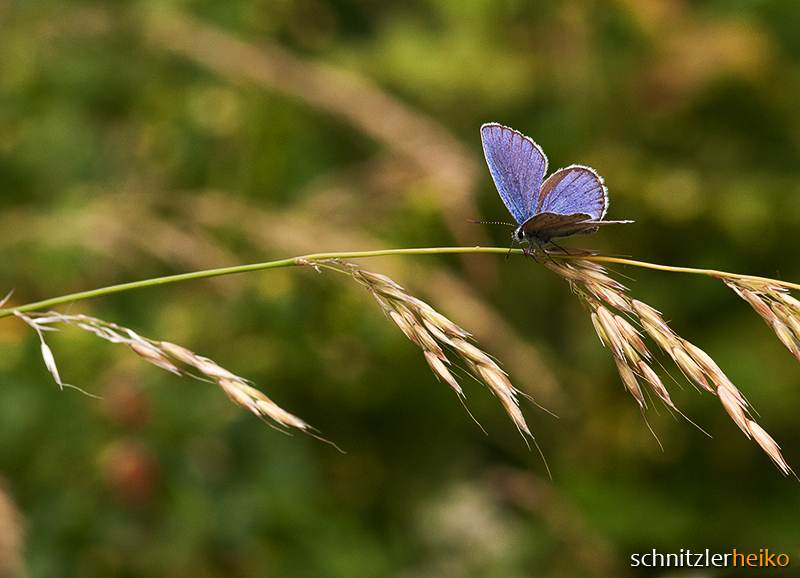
x: 523, y: 237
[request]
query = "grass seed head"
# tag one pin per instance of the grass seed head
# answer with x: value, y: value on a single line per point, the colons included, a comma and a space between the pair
x: 734, y: 407
x: 212, y: 370
x: 404, y: 325
x: 177, y: 352
x: 269, y: 409
x: 615, y: 298
x: 769, y: 446
x: 441, y: 370
x: 631, y: 336
x: 434, y: 317
x: 707, y: 365
x: 375, y: 278
x: 152, y: 355
x: 598, y: 274
x: 50, y: 363
x: 655, y: 383
x: 615, y: 339
x: 498, y: 383
x: 427, y: 342
x: 471, y: 353
x: 601, y: 333
x: 786, y: 336
x: 393, y: 294
x: 630, y: 382
x: 788, y: 316
x: 564, y: 270
x: 436, y: 332
x: 689, y: 367
x: 790, y: 302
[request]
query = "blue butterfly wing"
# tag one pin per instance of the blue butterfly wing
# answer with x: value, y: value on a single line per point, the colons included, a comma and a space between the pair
x: 517, y: 165
x: 575, y: 189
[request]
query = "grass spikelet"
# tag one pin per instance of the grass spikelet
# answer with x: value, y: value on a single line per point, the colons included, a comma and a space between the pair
x: 177, y: 352
x: 789, y: 317
x: 655, y: 326
x: 786, y: 337
x: 630, y: 382
x: 432, y: 317
x: 655, y: 383
x: 601, y: 333
x: 613, y: 298
x: 707, y: 365
x: 50, y: 363
x: 790, y: 302
x: 427, y: 342
x: 689, y: 366
x: 404, y: 325
x: 772, y: 449
x: 631, y: 336
x: 151, y: 354
x: 734, y: 407
x: 615, y: 339
x: 471, y: 353
x: 440, y: 369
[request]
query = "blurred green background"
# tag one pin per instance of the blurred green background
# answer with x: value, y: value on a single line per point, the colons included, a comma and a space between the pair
x: 143, y: 139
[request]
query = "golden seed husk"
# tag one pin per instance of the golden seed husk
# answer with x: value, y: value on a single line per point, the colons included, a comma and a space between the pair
x: 180, y: 353
x: 732, y: 405
x: 151, y: 354
x: 768, y: 444
x: 392, y: 293
x: 440, y: 369
x: 689, y: 366
x: 277, y: 413
x: 786, y: 336
x: 499, y: 384
x: 436, y: 332
x: 213, y: 370
x: 629, y: 380
x: 655, y: 383
x: 426, y: 342
x: 631, y: 335
x: 404, y: 326
x: 790, y: 302
x: 611, y: 297
x: 469, y: 351
x: 601, y: 333
x: 606, y: 319
x: 757, y: 303
x: 442, y: 322
x: 789, y: 317
x: 663, y: 336
x: 376, y: 278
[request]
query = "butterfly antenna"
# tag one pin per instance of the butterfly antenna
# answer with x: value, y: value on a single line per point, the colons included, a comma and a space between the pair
x: 491, y: 223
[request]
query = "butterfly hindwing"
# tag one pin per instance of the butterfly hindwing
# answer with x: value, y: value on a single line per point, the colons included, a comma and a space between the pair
x: 545, y: 226
x: 575, y: 189
x: 517, y: 165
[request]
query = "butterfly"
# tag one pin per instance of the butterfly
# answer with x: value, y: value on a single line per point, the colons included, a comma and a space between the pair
x: 572, y: 201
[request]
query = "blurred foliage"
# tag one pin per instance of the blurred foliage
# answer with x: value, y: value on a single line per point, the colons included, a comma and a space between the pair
x: 137, y: 142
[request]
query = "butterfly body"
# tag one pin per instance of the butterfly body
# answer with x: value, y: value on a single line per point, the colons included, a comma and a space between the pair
x: 572, y: 201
